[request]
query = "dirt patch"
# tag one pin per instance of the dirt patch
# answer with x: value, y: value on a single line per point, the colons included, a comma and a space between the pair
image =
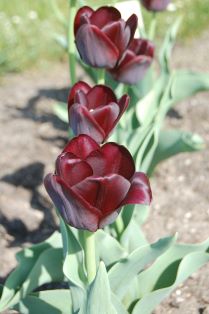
x: 32, y: 137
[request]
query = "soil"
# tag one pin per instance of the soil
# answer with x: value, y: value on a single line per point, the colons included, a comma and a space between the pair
x: 32, y: 136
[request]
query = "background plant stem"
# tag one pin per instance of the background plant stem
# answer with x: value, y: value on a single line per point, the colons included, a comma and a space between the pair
x: 101, y: 76
x: 90, y: 257
x: 153, y: 25
x: 71, y: 44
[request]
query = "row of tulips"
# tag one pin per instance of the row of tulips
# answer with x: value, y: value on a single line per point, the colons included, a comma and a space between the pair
x: 92, y: 183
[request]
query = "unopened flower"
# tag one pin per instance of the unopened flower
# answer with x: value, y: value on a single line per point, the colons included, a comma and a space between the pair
x: 92, y: 183
x: 101, y: 36
x: 134, y: 62
x: 94, y: 110
x: 155, y: 5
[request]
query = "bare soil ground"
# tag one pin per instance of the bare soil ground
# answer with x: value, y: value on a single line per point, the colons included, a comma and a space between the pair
x: 32, y: 137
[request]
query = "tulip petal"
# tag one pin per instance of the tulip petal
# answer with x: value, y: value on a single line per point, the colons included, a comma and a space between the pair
x: 142, y: 47
x: 81, y: 146
x: 95, y: 48
x: 109, y: 219
x: 105, y: 194
x: 119, y: 34
x: 75, y: 211
x: 100, y: 95
x: 131, y: 23
x: 140, y: 191
x: 71, y: 169
x: 123, y: 105
x: 79, y: 86
x: 82, y: 12
x: 111, y: 158
x: 82, y: 122
x: 104, y: 15
x: 133, y: 71
x: 106, y: 116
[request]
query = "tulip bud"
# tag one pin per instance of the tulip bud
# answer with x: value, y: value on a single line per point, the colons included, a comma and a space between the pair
x: 94, y: 111
x: 155, y: 5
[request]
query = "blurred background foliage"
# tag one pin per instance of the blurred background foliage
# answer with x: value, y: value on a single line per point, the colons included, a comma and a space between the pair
x: 27, y: 29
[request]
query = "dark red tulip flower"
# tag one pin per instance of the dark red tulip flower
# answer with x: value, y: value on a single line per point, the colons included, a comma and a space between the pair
x: 94, y: 110
x: 101, y: 36
x: 134, y: 62
x: 155, y: 5
x: 92, y: 183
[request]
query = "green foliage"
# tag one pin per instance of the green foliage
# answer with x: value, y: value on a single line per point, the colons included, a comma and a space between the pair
x: 195, y: 15
x: 38, y: 265
x: 128, y: 283
x: 26, y: 34
x: 47, y: 302
x: 99, y: 294
x: 28, y: 29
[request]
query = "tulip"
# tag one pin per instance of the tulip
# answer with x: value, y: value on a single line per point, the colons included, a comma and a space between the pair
x: 101, y: 36
x: 134, y: 62
x: 155, y: 5
x: 94, y: 111
x: 92, y: 183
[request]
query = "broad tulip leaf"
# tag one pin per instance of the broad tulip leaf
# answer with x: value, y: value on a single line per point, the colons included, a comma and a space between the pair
x: 135, y: 263
x: 168, y: 44
x: 60, y: 109
x: 47, y: 302
x: 61, y: 40
x: 147, y: 107
x: 173, y: 142
x: 187, y: 83
x: 119, y: 307
x: 99, y: 294
x: 153, y: 277
x: 109, y: 249
x: 133, y: 237
x: 73, y: 266
x: 73, y: 254
x: 189, y: 264
x: 33, y: 262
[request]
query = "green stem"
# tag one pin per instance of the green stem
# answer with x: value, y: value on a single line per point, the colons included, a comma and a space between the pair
x: 90, y: 257
x: 153, y: 25
x: 71, y: 44
x: 60, y: 17
x: 141, y: 22
x: 101, y: 76
x: 119, y: 225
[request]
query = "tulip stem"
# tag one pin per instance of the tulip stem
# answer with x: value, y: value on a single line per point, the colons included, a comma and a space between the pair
x: 119, y: 225
x: 90, y: 257
x: 153, y: 25
x: 71, y: 44
x: 101, y: 76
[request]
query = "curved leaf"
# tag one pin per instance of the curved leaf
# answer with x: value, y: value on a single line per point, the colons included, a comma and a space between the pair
x: 188, y: 265
x: 173, y: 142
x: 47, y: 302
x: 134, y: 264
x: 31, y: 260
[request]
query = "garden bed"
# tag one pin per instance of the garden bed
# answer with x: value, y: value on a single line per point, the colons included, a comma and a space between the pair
x: 32, y: 137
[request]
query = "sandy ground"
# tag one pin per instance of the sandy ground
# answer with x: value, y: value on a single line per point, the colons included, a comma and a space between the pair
x: 32, y: 137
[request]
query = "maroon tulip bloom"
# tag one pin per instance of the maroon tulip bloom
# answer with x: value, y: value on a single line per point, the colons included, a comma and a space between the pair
x: 101, y: 36
x: 94, y: 111
x: 134, y: 62
x: 155, y: 5
x: 91, y: 183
